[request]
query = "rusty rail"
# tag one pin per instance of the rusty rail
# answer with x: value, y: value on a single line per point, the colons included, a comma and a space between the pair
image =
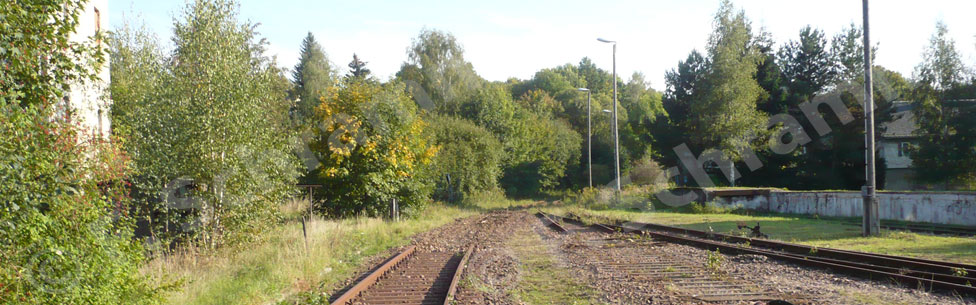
x: 911, y: 271
x: 550, y: 222
x: 374, y: 276
x: 457, y: 276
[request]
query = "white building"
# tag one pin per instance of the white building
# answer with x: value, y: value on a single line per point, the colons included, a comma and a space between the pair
x: 898, y: 136
x: 88, y: 104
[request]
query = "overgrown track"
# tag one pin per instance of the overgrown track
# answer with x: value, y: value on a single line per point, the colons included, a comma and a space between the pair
x: 913, y: 272
x: 678, y: 274
x: 410, y: 277
x: 550, y: 222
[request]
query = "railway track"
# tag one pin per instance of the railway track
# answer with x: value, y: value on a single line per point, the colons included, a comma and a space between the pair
x: 914, y: 272
x: 409, y: 277
x: 628, y: 265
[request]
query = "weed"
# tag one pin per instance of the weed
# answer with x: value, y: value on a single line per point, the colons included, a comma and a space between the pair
x: 714, y: 260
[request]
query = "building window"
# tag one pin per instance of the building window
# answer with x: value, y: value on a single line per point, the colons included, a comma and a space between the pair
x: 903, y: 149
x: 98, y: 24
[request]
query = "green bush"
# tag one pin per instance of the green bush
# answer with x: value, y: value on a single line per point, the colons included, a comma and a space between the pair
x: 373, y: 148
x: 65, y: 235
x: 192, y: 120
x: 710, y: 207
x: 469, y: 159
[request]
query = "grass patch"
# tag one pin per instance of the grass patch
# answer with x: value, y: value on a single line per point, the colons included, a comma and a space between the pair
x: 824, y: 233
x: 541, y: 280
x: 277, y: 265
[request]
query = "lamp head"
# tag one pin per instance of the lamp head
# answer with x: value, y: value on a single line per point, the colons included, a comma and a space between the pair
x: 582, y: 89
x: 605, y: 40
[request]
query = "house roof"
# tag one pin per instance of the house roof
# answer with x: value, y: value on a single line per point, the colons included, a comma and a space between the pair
x: 902, y: 124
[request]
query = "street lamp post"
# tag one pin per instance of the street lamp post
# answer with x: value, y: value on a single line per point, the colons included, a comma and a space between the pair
x: 589, y: 136
x: 616, y: 135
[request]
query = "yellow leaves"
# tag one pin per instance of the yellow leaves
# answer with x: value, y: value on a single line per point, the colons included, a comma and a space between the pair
x: 331, y: 172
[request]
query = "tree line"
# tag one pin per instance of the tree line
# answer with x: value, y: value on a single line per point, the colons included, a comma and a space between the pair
x: 211, y: 136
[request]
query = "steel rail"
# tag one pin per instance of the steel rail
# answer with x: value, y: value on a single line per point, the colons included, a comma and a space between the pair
x: 850, y: 262
x: 457, y: 276
x: 373, y: 276
x: 550, y: 222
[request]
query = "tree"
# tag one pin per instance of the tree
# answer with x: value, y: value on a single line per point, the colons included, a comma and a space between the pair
x: 728, y: 119
x: 684, y: 86
x: 312, y: 77
x: 435, y: 61
x: 944, y: 153
x: 468, y: 162
x: 230, y: 143
x: 807, y: 65
x: 643, y: 106
x: 358, y: 68
x: 137, y: 72
x: 373, y: 148
x: 848, y: 50
x: 65, y: 234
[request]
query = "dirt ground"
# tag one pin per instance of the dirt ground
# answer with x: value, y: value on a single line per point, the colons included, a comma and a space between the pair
x: 518, y: 260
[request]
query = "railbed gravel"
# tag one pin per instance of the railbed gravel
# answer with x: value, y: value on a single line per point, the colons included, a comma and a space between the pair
x: 492, y: 273
x: 803, y: 284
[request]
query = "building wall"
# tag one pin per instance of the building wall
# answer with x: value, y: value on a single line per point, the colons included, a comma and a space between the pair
x: 889, y: 150
x: 933, y: 207
x: 89, y: 103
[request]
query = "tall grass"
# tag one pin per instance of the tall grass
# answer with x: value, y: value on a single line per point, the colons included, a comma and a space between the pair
x: 277, y: 265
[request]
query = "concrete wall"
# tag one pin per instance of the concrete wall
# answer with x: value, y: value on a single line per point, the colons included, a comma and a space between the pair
x: 941, y: 208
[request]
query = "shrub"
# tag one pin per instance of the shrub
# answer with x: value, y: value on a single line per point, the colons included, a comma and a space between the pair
x: 710, y: 207
x: 468, y: 162
x: 195, y: 131
x: 65, y: 236
x: 373, y: 148
x: 646, y: 171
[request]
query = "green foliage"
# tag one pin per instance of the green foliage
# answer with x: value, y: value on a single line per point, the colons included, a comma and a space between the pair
x: 357, y: 68
x: 710, y: 207
x: 643, y: 106
x: 714, y: 260
x: 40, y: 63
x: 807, y: 64
x: 65, y: 235
x: 945, y: 151
x: 646, y: 171
x: 313, y: 76
x: 848, y: 50
x: 194, y: 121
x: 539, y: 151
x: 469, y: 161
x: 137, y: 70
x: 436, y: 62
x: 727, y: 118
x: 373, y: 149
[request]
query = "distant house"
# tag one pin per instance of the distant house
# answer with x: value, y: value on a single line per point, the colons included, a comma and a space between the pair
x: 898, y: 135
x: 88, y: 104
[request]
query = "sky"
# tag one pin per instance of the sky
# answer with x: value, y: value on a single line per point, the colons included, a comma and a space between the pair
x: 516, y: 38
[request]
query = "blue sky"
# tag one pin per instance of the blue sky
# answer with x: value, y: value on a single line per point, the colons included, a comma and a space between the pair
x: 507, y: 38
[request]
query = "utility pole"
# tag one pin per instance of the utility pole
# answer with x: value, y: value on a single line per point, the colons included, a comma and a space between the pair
x: 871, y: 223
